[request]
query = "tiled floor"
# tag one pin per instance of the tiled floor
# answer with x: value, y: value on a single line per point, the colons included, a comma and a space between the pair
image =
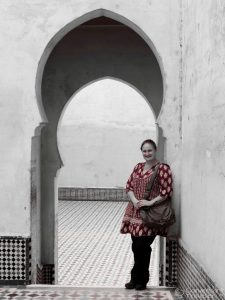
x: 63, y: 293
x: 91, y: 251
x: 94, y: 258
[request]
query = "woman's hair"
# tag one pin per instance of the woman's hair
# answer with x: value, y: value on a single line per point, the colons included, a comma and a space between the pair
x: 149, y: 142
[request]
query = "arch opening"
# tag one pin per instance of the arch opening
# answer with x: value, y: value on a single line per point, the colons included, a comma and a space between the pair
x: 100, y: 130
x: 110, y: 114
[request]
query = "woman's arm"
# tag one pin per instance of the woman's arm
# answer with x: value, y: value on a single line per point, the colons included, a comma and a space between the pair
x: 133, y: 199
x: 130, y: 187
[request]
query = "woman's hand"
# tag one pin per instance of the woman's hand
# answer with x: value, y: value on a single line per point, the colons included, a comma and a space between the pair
x: 136, y: 204
x: 144, y: 202
x: 154, y: 201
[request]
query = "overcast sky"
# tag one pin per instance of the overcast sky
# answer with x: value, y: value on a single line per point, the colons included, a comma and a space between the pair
x: 109, y: 102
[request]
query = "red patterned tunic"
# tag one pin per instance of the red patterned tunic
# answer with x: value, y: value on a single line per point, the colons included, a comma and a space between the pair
x: 137, y: 182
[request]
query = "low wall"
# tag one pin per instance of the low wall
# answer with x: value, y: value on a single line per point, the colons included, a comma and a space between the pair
x: 92, y: 194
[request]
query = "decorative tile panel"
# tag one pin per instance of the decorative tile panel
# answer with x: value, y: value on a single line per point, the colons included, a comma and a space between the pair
x: 171, y: 262
x: 14, y: 260
x: 45, y: 274
x: 193, y: 282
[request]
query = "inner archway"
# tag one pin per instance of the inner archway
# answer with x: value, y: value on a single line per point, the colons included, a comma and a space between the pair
x: 97, y: 48
x: 99, y: 131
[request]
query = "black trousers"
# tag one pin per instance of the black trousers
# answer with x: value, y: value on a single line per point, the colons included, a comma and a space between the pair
x: 142, y: 253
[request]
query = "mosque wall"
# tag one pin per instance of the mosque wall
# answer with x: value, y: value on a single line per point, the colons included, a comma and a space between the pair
x: 28, y: 29
x: 203, y: 138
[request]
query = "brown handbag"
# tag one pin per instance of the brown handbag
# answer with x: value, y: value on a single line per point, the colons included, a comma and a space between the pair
x: 159, y: 215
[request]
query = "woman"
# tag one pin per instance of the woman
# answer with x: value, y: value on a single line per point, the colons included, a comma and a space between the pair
x: 143, y: 236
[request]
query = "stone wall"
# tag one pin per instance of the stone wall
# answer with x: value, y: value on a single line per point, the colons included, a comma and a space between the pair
x: 203, y: 123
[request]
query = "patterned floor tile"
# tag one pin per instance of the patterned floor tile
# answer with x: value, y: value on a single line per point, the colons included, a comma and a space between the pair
x: 91, y: 251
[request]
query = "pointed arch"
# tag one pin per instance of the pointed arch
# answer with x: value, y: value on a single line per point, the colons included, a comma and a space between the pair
x: 74, y: 24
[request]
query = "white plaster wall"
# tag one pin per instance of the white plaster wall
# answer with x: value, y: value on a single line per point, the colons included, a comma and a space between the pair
x: 100, y: 134
x: 27, y: 27
x: 100, y: 156
x: 203, y: 165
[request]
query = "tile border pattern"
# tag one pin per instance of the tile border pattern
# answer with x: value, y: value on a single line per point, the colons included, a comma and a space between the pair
x: 193, y: 282
x: 64, y: 293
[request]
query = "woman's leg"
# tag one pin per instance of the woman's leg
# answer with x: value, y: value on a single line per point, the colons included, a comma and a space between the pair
x: 142, y: 252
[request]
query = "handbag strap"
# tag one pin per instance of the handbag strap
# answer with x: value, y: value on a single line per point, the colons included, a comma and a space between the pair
x: 151, y: 181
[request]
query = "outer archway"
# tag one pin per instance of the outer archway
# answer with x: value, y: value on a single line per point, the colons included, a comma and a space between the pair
x: 97, y: 48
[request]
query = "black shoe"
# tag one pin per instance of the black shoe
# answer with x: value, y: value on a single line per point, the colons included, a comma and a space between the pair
x: 140, y: 287
x: 130, y: 285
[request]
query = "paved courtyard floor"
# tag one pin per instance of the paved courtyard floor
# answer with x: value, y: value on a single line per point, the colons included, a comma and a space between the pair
x: 94, y: 259
x: 91, y: 250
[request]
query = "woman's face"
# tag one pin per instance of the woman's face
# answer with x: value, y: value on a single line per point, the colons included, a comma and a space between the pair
x: 149, y: 152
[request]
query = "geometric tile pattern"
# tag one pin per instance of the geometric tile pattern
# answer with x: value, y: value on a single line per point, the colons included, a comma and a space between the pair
x: 45, y: 274
x: 84, y: 294
x: 171, y: 262
x: 161, y: 275
x: 93, y: 194
x: 193, y: 282
x: 91, y: 250
x: 14, y: 260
